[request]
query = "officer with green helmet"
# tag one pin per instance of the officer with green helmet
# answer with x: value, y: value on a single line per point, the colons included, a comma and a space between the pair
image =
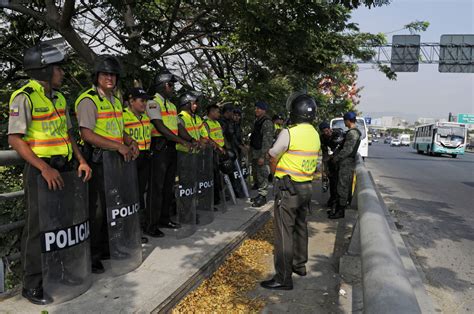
x: 293, y: 161
x: 39, y: 130
x: 100, y: 116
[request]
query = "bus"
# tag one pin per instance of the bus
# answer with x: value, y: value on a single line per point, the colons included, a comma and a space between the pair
x: 338, y: 123
x: 441, y: 138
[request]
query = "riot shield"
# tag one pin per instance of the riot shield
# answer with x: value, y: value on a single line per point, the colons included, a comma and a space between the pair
x: 123, y: 222
x: 240, y: 177
x: 186, y: 194
x: 64, y: 228
x: 205, y: 186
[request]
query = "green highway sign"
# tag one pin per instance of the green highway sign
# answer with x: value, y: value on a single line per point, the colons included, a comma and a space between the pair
x: 467, y: 118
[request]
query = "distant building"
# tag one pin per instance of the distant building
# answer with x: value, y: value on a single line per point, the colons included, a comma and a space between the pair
x: 425, y: 120
x: 393, y: 122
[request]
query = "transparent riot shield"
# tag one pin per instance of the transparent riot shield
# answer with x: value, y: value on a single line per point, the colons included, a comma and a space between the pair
x: 205, y: 186
x: 186, y: 193
x: 240, y: 177
x: 64, y: 228
x: 123, y: 222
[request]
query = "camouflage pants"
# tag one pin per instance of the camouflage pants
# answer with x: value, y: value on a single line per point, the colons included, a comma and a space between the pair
x: 344, y: 181
x: 261, y: 175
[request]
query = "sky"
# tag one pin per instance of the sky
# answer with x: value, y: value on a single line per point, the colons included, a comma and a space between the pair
x: 426, y: 93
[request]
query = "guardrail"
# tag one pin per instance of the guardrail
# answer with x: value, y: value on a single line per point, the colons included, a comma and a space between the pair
x: 9, y: 158
x: 386, y: 287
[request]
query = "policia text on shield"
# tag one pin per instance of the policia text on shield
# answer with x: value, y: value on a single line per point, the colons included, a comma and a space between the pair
x: 39, y: 131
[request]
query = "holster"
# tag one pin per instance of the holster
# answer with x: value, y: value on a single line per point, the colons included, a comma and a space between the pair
x: 286, y: 184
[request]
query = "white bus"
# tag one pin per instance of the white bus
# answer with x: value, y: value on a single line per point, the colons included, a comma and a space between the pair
x: 441, y: 138
x: 338, y: 123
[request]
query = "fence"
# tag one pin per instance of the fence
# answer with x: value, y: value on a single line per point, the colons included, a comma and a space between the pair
x: 9, y: 158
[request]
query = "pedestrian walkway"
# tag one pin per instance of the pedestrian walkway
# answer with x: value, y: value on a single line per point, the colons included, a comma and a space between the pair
x: 318, y: 291
x: 171, y: 268
x: 174, y: 267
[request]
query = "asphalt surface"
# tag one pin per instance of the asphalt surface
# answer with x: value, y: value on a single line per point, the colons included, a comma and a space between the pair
x: 432, y: 199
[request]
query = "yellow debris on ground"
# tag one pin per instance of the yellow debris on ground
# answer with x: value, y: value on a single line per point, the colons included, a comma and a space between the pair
x: 226, y: 290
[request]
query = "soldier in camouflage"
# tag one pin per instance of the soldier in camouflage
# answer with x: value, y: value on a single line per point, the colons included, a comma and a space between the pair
x: 345, y: 163
x: 260, y: 142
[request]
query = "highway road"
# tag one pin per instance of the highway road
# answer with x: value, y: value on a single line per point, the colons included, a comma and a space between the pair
x: 432, y: 199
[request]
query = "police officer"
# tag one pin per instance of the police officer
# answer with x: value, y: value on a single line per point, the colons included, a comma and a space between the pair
x: 190, y: 125
x: 278, y: 121
x: 214, y: 130
x: 294, y: 163
x: 345, y: 162
x: 39, y: 130
x: 261, y: 140
x: 100, y: 117
x: 164, y: 136
x: 331, y: 140
x: 227, y: 123
x: 138, y: 126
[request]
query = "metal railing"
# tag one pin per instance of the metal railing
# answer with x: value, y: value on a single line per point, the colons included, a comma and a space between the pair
x: 386, y: 286
x: 9, y: 158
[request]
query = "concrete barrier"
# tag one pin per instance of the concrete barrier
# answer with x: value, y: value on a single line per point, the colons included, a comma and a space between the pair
x: 386, y: 287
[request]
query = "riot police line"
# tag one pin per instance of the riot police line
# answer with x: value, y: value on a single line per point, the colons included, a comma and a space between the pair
x: 85, y: 201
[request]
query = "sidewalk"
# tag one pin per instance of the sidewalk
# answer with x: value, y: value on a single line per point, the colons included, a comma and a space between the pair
x: 318, y: 291
x: 172, y: 268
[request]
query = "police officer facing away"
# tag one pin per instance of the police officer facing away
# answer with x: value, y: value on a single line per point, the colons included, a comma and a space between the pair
x: 293, y: 159
x: 100, y: 117
x: 164, y: 117
x: 345, y: 163
x: 38, y: 129
x: 261, y: 140
x: 138, y: 126
x: 331, y: 140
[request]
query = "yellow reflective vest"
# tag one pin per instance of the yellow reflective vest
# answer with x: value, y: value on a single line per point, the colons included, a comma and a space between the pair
x: 194, y: 126
x: 215, y: 132
x: 139, y: 128
x: 109, y: 123
x: 169, y: 115
x: 47, y: 134
x: 299, y: 161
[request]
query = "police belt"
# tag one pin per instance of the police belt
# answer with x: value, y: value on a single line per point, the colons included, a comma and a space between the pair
x: 160, y: 143
x: 60, y: 163
x: 287, y: 184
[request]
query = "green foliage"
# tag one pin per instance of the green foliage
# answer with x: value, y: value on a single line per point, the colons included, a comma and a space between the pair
x: 417, y: 26
x: 12, y: 210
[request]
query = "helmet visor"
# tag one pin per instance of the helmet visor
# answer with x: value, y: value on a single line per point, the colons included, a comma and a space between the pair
x: 53, y: 51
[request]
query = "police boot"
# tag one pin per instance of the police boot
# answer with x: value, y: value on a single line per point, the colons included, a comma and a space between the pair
x: 339, y: 213
x: 259, y: 201
x: 36, y: 296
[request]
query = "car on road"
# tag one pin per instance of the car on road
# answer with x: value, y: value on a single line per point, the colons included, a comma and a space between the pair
x: 387, y: 140
x: 395, y: 142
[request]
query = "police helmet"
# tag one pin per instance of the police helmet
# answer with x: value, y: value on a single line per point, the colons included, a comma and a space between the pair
x: 164, y: 76
x: 278, y: 116
x: 106, y: 64
x: 38, y: 61
x: 302, y: 109
x: 188, y: 98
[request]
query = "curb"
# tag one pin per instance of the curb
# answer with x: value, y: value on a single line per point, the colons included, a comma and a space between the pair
x: 251, y: 227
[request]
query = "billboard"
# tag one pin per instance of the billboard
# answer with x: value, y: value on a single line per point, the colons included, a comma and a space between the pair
x: 466, y: 118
